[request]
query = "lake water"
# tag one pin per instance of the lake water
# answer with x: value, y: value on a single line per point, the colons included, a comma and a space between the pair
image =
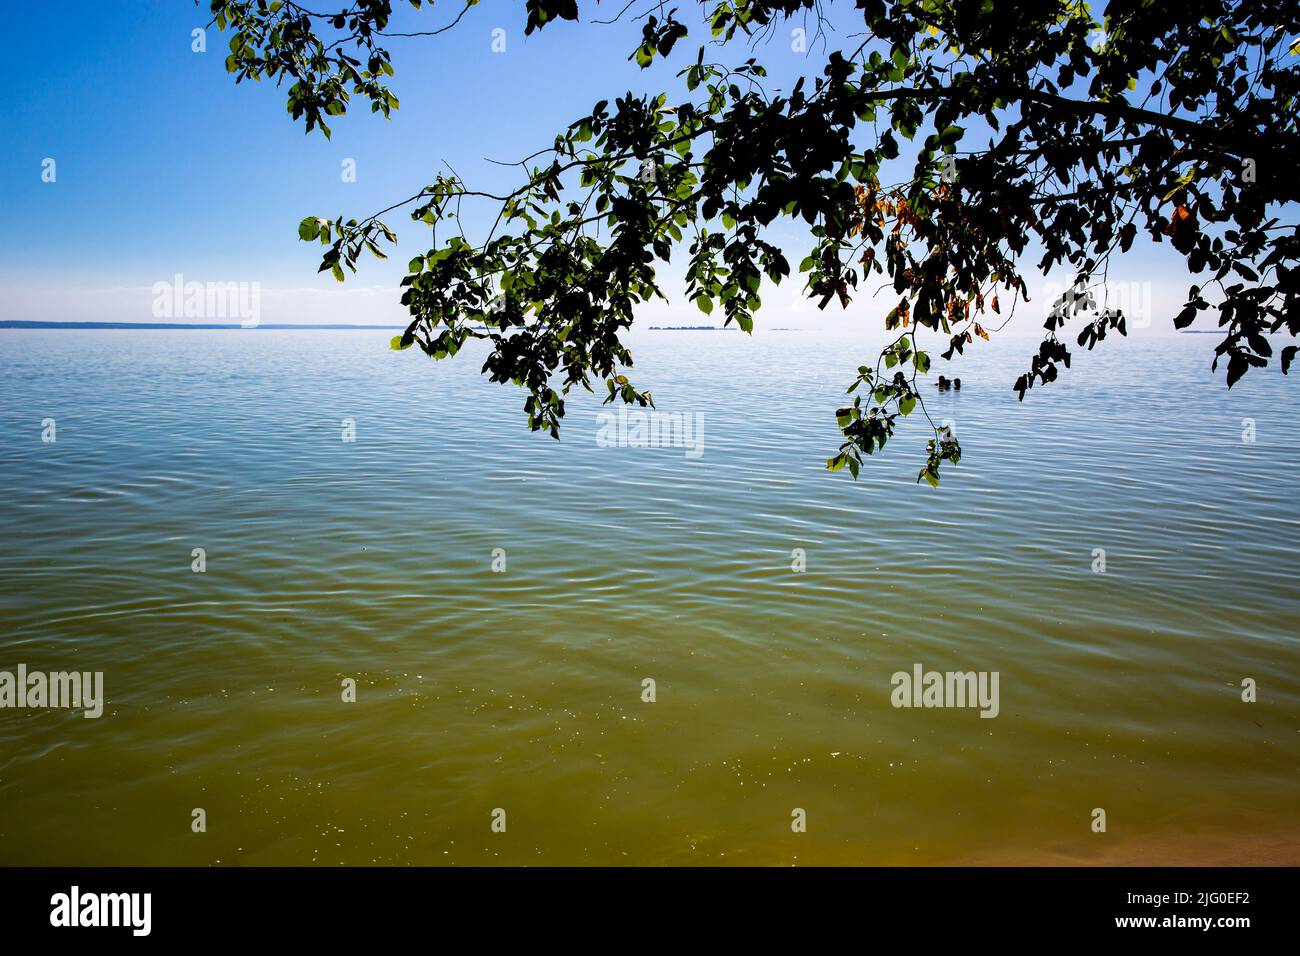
x: 521, y: 689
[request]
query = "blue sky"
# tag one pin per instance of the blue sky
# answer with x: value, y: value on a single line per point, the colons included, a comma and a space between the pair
x: 165, y: 166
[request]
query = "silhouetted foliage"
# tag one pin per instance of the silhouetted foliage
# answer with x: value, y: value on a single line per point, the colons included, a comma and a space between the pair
x: 1034, y: 125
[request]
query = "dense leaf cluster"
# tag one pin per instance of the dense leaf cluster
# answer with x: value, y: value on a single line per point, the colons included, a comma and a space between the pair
x: 1047, y: 138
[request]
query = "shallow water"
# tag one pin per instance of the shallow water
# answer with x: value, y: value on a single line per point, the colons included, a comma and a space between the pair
x: 372, y: 559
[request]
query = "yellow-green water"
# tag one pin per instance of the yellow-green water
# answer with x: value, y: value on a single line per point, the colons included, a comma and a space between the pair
x: 521, y: 690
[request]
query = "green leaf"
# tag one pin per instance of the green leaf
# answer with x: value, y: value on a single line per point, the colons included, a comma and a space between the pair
x: 951, y: 135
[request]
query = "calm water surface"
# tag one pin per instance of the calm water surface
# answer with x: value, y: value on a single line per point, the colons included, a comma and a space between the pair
x: 522, y: 690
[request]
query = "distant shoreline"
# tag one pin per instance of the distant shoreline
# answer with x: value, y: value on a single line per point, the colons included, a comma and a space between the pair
x: 15, y: 324
x: 306, y: 327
